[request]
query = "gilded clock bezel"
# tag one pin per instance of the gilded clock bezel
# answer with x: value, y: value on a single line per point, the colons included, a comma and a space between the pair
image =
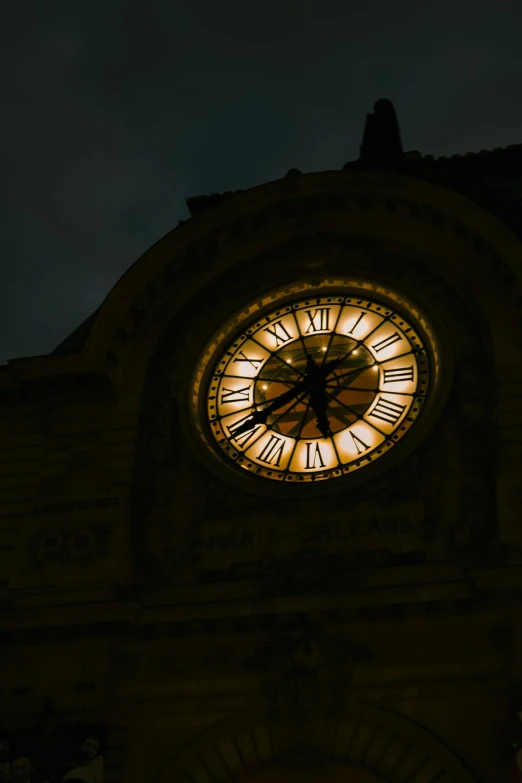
x: 229, y: 330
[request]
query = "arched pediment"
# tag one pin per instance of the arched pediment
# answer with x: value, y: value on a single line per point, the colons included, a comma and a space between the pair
x: 468, y: 247
x: 364, y: 744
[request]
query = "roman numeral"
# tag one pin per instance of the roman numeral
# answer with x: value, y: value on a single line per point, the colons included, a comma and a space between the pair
x: 358, y: 442
x: 319, y: 319
x: 354, y: 327
x: 386, y: 342
x: 402, y: 374
x: 235, y: 395
x: 387, y: 410
x: 253, y: 362
x: 243, y: 437
x: 312, y: 454
x: 278, y: 331
x: 272, y: 451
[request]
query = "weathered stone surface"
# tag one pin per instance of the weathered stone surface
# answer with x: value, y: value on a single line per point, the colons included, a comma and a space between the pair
x: 215, y: 632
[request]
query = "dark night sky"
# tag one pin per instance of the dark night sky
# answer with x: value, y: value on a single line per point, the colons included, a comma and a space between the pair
x: 114, y: 112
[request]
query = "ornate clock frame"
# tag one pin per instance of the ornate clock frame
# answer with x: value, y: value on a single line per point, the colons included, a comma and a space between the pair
x: 394, y: 448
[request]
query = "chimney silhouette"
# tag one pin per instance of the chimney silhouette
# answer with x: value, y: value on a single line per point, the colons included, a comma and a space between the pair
x: 381, y: 144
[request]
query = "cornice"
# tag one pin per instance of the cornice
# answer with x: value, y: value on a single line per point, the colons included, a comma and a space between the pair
x: 475, y: 591
x: 250, y: 223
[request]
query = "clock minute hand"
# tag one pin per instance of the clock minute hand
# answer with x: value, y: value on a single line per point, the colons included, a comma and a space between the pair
x: 260, y: 417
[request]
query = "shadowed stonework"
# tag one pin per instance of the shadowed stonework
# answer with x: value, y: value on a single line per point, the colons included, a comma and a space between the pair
x: 202, y: 621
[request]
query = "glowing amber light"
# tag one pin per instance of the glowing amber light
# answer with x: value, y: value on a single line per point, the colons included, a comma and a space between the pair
x: 316, y: 390
x: 314, y: 455
x: 355, y: 440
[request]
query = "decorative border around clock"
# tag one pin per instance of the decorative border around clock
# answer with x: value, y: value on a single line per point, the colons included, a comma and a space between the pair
x: 198, y: 428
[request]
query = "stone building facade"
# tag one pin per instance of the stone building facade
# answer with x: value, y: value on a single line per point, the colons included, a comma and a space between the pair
x: 160, y: 624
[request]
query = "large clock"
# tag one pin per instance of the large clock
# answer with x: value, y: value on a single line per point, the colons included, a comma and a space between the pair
x: 314, y: 387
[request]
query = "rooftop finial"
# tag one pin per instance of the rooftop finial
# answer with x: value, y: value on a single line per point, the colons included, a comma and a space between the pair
x: 381, y: 145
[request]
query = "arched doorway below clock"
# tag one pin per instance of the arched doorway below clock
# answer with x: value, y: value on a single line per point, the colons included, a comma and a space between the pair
x: 364, y: 744
x: 324, y: 774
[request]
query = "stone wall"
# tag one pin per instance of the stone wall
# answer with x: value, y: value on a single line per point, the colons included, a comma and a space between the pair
x: 213, y: 632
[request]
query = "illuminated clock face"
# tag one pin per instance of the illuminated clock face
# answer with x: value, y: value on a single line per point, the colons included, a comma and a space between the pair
x: 317, y: 388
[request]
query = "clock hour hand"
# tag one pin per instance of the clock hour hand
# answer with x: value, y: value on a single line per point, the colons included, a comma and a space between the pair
x: 318, y: 403
x: 320, y: 398
x: 260, y: 417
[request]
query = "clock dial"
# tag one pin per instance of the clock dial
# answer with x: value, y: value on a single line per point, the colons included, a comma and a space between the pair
x: 317, y: 388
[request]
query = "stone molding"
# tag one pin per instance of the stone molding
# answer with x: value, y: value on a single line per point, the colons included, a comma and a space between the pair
x: 426, y: 218
x: 401, y: 210
x: 361, y: 736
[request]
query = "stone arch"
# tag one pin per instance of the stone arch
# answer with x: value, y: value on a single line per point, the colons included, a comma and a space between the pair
x: 470, y: 248
x: 382, y: 743
x: 164, y: 472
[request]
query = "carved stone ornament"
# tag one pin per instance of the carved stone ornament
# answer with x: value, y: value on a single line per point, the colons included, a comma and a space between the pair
x: 307, y: 678
x: 66, y: 544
